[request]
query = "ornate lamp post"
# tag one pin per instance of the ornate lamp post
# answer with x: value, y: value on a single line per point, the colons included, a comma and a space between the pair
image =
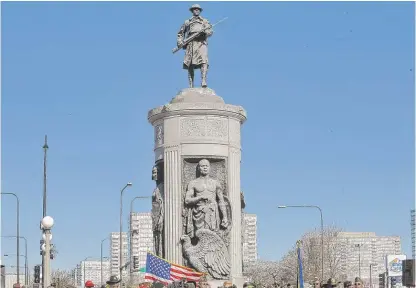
x: 47, y: 224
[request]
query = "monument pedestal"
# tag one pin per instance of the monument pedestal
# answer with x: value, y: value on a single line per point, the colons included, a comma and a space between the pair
x: 195, y: 125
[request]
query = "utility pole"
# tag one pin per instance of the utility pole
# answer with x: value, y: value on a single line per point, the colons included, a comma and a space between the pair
x: 45, y: 152
x: 359, y: 258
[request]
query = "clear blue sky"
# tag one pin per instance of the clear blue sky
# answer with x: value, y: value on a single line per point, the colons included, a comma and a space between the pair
x: 328, y: 87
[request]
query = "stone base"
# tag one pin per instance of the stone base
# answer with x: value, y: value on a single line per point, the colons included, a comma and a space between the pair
x: 237, y: 281
x: 197, y: 95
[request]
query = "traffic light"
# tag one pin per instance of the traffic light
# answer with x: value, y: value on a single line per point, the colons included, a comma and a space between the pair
x: 41, y: 245
x: 381, y: 281
x: 394, y: 281
x: 136, y: 263
x: 52, y: 252
x: 37, y: 274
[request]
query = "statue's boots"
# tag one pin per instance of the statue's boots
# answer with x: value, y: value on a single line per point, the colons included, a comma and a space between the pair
x: 204, y: 71
x: 191, y: 78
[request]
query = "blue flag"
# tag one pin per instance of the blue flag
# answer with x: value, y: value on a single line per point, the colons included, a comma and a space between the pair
x: 300, y: 269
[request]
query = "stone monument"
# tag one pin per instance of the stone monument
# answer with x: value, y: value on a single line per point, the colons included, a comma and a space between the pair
x: 197, y: 146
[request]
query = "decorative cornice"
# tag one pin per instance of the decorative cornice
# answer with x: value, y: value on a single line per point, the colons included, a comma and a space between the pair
x: 218, y: 109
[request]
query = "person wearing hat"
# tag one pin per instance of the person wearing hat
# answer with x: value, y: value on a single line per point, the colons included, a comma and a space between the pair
x: 331, y: 283
x: 89, y: 284
x: 196, y: 52
x: 358, y: 283
x: 113, y: 282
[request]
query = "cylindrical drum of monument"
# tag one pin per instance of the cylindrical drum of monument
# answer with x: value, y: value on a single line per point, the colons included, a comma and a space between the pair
x: 198, y: 151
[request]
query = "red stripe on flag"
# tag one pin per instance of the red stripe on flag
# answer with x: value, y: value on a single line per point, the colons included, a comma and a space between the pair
x: 178, y: 272
x: 154, y: 278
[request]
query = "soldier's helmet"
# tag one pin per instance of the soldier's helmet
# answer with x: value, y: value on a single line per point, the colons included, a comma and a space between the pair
x: 195, y: 6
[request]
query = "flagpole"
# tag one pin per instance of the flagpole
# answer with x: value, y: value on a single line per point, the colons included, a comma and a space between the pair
x: 299, y: 266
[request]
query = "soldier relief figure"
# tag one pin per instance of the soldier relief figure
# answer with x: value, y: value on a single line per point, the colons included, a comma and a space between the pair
x: 206, y: 221
x: 157, y: 212
x: 196, y: 51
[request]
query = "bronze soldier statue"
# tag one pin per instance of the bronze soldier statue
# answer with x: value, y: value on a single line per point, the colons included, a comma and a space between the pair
x: 196, y: 54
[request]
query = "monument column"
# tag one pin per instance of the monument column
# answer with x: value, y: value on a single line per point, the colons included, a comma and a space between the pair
x: 173, y: 224
x: 197, y: 124
x: 235, y: 199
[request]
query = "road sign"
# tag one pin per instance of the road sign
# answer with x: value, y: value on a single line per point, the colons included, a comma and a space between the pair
x: 408, y: 271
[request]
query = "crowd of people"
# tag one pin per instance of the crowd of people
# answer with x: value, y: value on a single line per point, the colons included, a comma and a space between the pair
x: 114, y: 282
x: 332, y: 283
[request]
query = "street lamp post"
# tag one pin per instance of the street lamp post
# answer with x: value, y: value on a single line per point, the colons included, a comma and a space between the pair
x: 25, y: 267
x: 322, y: 230
x: 26, y: 264
x: 130, y: 231
x: 83, y: 262
x: 121, y: 228
x: 359, y: 258
x: 371, y: 274
x: 47, y: 223
x: 101, y: 259
x: 17, y: 234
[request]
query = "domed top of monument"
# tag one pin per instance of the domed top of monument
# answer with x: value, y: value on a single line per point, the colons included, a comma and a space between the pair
x: 197, y: 95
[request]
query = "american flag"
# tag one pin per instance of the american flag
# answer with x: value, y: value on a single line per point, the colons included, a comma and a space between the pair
x: 158, y: 269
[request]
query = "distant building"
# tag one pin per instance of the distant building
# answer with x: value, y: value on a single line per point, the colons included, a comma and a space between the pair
x: 365, y: 248
x: 92, y: 272
x: 11, y: 278
x: 2, y: 276
x: 412, y: 229
x: 115, y: 253
x: 74, y: 274
x: 141, y: 241
x: 249, y: 240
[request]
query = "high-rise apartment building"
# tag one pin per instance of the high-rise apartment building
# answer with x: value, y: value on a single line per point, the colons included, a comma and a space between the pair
x: 357, y: 250
x: 92, y: 270
x: 115, y: 253
x: 141, y: 241
x: 249, y: 239
x: 412, y: 229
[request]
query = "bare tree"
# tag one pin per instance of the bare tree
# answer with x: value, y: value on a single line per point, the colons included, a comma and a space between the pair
x: 62, y: 279
x: 263, y: 273
x: 311, y: 257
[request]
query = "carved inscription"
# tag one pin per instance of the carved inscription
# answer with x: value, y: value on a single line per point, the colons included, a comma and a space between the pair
x: 215, y: 128
x: 192, y: 128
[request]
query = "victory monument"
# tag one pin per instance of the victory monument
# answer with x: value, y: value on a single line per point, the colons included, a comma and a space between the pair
x: 197, y: 202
